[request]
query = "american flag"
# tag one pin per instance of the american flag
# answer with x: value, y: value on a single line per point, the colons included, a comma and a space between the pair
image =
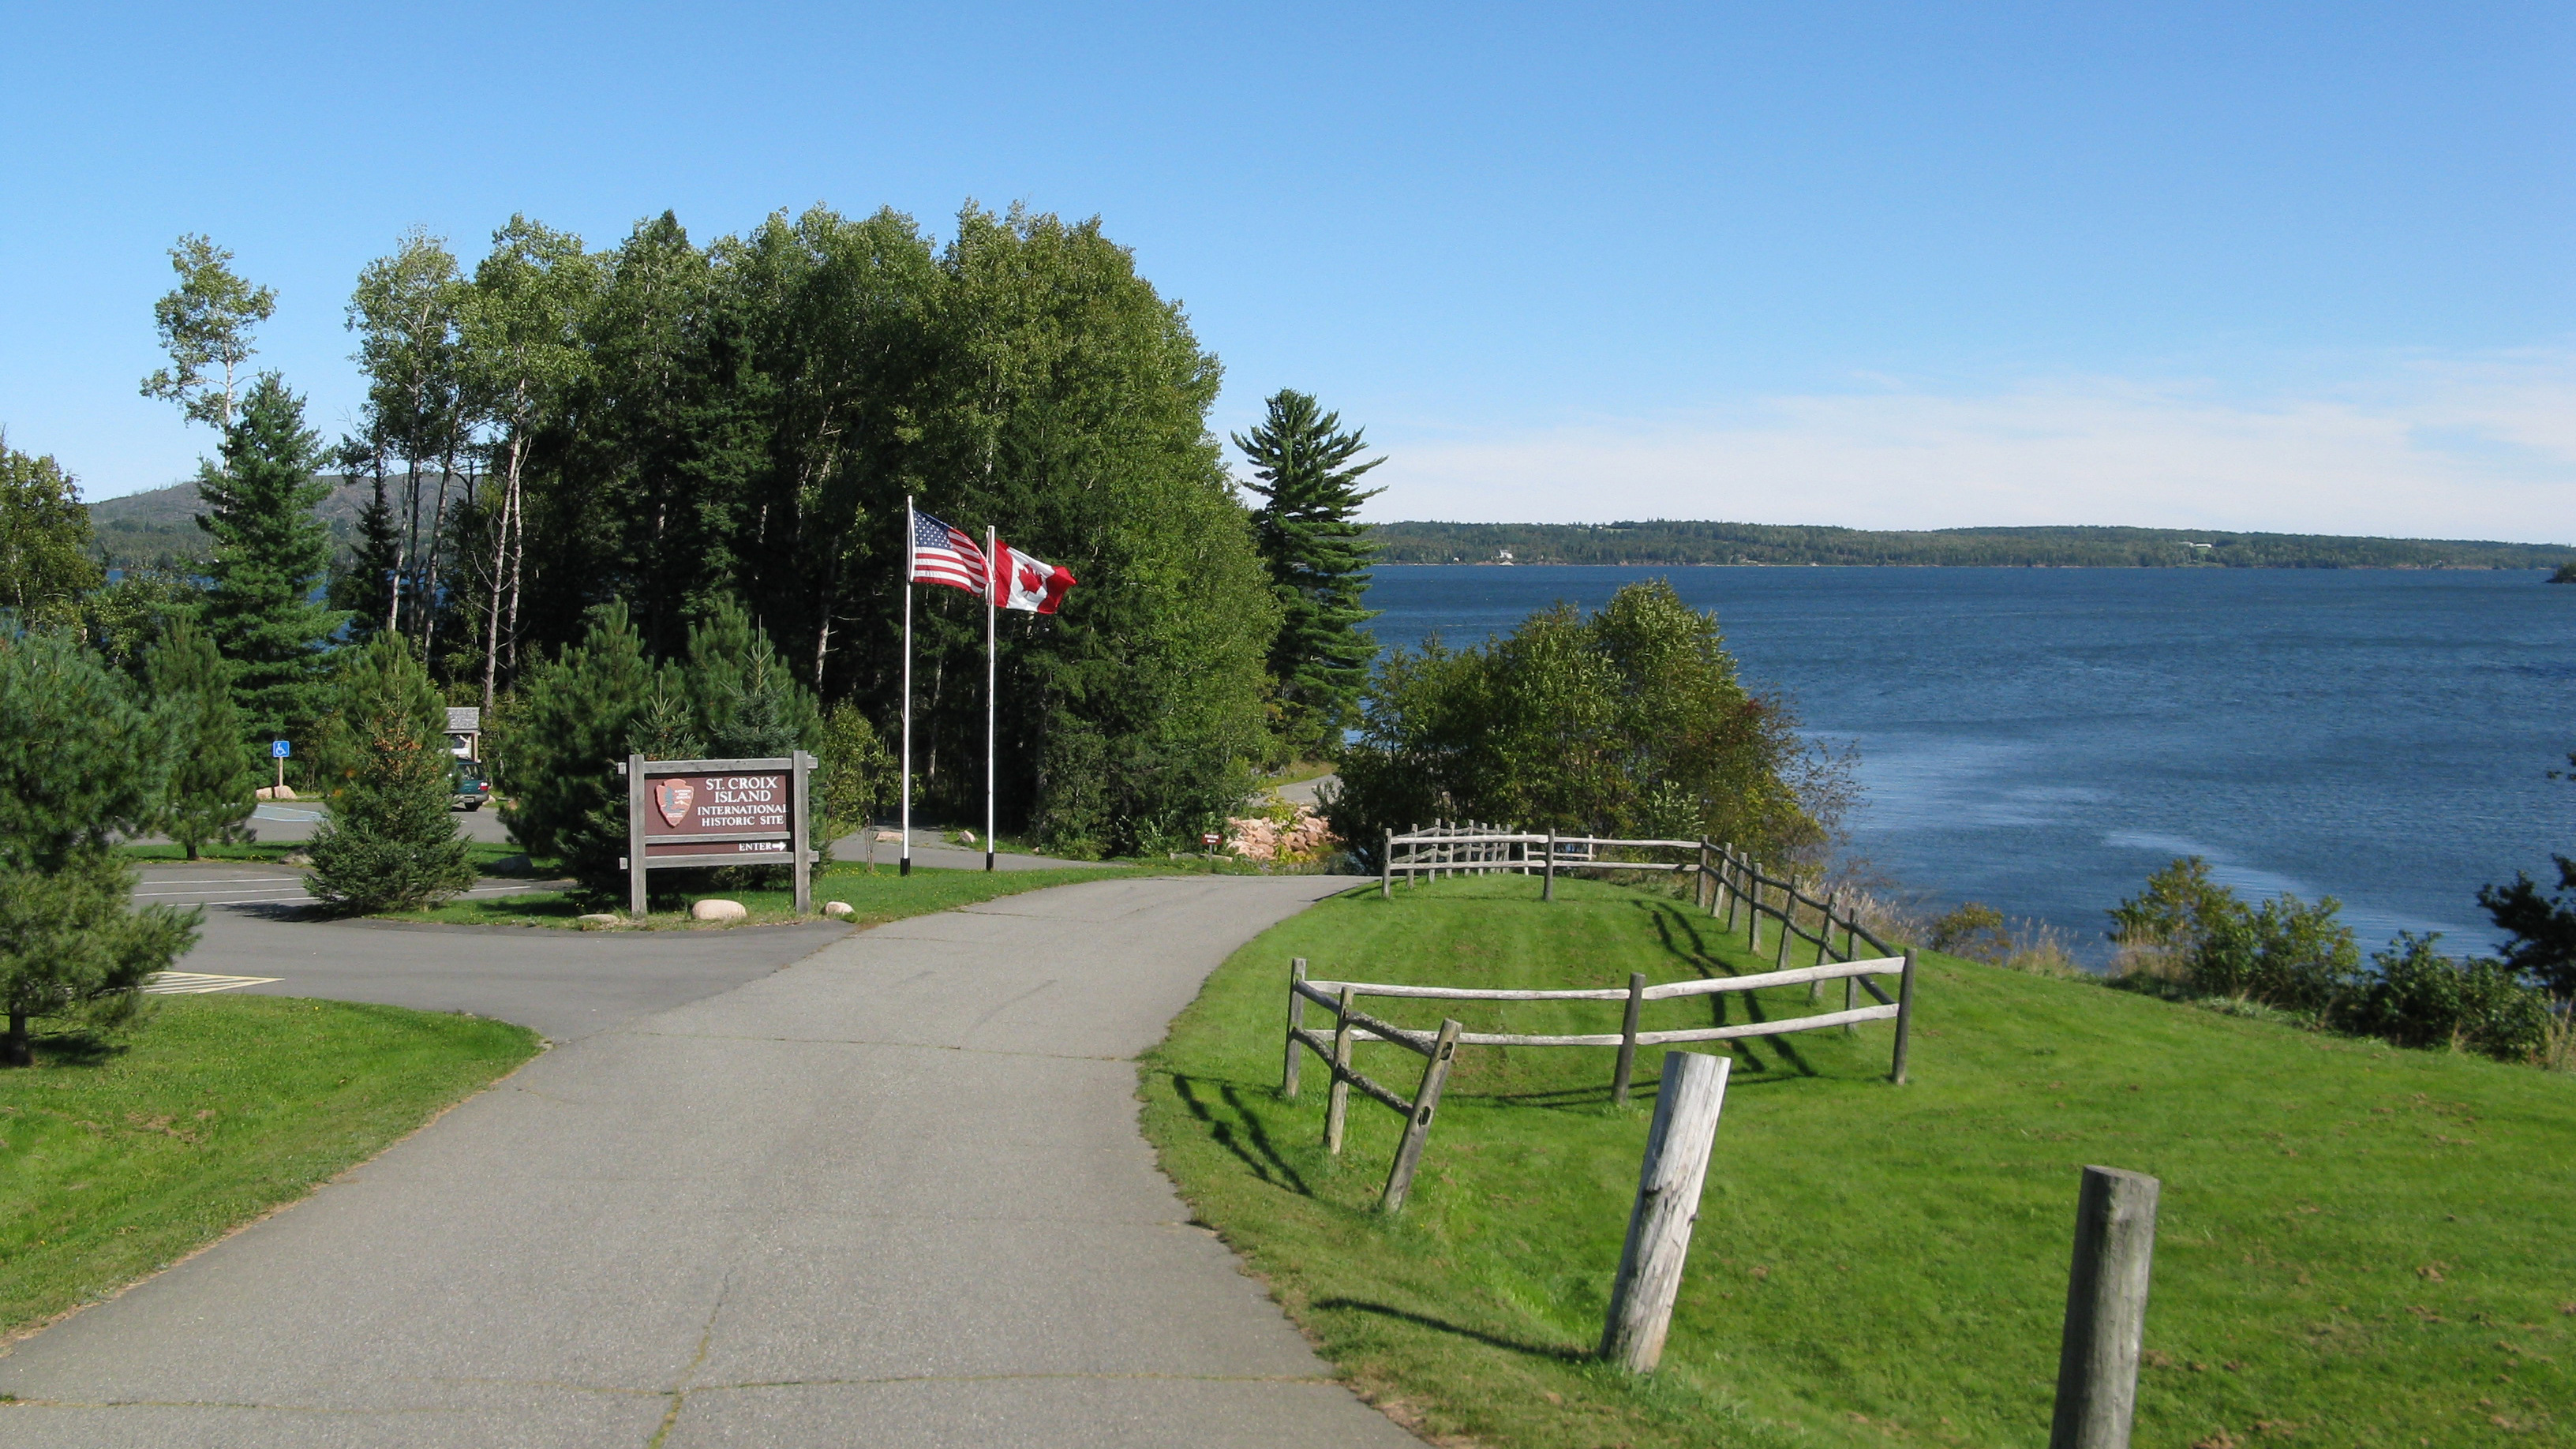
x: 942, y: 555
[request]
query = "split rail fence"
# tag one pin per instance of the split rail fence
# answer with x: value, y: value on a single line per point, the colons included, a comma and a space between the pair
x: 1728, y: 883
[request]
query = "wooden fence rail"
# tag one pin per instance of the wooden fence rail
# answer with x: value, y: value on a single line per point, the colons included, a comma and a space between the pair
x: 1728, y: 882
x: 1352, y: 1026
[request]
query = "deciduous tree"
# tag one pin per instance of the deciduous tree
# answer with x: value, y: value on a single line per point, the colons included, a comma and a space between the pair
x: 206, y: 324
x: 45, y: 563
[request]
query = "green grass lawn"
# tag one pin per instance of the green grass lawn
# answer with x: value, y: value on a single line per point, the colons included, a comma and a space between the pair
x: 884, y: 896
x: 118, y: 1158
x: 2358, y: 1245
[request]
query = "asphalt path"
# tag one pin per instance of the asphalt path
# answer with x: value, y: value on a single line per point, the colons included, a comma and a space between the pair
x: 892, y: 1194
x: 565, y: 984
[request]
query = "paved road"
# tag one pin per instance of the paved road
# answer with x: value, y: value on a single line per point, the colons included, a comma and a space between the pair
x: 892, y: 1194
x: 566, y: 984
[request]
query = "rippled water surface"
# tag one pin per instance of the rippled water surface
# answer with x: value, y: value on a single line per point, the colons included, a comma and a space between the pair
x: 2040, y: 739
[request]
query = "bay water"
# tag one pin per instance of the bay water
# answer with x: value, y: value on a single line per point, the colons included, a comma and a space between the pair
x: 2041, y: 739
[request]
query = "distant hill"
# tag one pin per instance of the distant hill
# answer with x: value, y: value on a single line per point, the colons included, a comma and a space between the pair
x: 161, y: 525
x: 1664, y: 542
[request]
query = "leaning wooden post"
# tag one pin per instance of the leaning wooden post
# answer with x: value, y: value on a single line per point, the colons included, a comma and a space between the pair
x: 2106, y: 1310
x: 1659, y: 1226
x: 1337, y: 1109
x: 1789, y: 932
x: 1547, y: 888
x: 1734, y: 891
x: 1417, y: 1128
x: 1904, y: 1018
x: 1628, y: 1040
x: 1296, y: 1019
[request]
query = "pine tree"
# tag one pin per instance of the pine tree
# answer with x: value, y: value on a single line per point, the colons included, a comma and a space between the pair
x: 271, y: 551
x: 1309, y: 535
x: 81, y: 762
x: 575, y: 718
x: 212, y: 778
x: 748, y: 707
x: 389, y: 843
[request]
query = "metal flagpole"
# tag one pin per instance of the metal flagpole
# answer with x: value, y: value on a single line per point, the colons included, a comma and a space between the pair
x: 908, y: 536
x: 992, y: 671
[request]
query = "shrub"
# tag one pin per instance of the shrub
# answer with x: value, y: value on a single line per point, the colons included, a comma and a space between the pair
x: 2188, y: 929
x: 389, y: 843
x: 857, y: 775
x: 2422, y: 998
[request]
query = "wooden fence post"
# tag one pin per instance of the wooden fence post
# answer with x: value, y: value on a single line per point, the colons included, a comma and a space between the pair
x: 1659, y: 1226
x: 1337, y: 1109
x: 1547, y: 889
x: 1788, y: 932
x: 1904, y: 1018
x: 1753, y: 912
x: 1296, y: 1019
x: 1733, y: 891
x: 1628, y: 1040
x: 2106, y: 1310
x: 1386, y: 870
x: 1417, y: 1128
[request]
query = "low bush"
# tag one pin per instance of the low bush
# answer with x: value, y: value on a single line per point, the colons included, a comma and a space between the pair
x: 2187, y: 936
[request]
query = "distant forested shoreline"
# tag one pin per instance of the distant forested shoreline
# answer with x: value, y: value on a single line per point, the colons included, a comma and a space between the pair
x: 1668, y: 543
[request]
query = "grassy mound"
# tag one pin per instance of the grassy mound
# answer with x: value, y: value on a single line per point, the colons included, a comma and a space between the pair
x: 2358, y: 1245
x: 118, y: 1158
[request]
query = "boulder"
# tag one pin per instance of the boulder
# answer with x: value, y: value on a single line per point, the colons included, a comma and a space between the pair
x: 839, y: 910
x: 713, y: 910
x: 273, y: 792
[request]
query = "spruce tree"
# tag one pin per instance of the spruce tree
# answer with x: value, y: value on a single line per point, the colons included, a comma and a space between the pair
x: 1309, y: 535
x: 271, y: 552
x: 213, y: 775
x: 81, y: 763
x: 389, y: 843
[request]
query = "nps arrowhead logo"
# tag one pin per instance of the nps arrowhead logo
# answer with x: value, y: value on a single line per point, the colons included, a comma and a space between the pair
x: 673, y: 799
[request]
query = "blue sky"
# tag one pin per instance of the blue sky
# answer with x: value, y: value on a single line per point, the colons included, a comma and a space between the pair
x: 2256, y: 266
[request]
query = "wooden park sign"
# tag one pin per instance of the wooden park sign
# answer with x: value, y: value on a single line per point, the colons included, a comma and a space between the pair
x: 700, y: 813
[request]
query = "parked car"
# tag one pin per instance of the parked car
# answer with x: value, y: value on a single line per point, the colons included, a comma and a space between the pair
x: 472, y: 789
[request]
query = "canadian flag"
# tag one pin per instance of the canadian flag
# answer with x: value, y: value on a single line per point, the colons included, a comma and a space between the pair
x: 1029, y: 584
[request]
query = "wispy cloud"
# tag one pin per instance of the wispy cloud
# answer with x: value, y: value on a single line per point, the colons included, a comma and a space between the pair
x: 2453, y: 447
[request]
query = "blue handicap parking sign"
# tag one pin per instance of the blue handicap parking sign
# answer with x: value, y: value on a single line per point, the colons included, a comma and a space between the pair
x: 277, y: 750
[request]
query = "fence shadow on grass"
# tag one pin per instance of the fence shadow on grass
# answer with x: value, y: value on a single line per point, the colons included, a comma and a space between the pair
x: 1252, y: 1144
x: 1561, y: 1353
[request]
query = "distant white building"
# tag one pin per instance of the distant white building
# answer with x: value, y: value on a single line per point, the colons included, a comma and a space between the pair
x: 465, y: 731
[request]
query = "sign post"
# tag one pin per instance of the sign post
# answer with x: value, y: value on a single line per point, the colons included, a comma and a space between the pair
x: 685, y: 813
